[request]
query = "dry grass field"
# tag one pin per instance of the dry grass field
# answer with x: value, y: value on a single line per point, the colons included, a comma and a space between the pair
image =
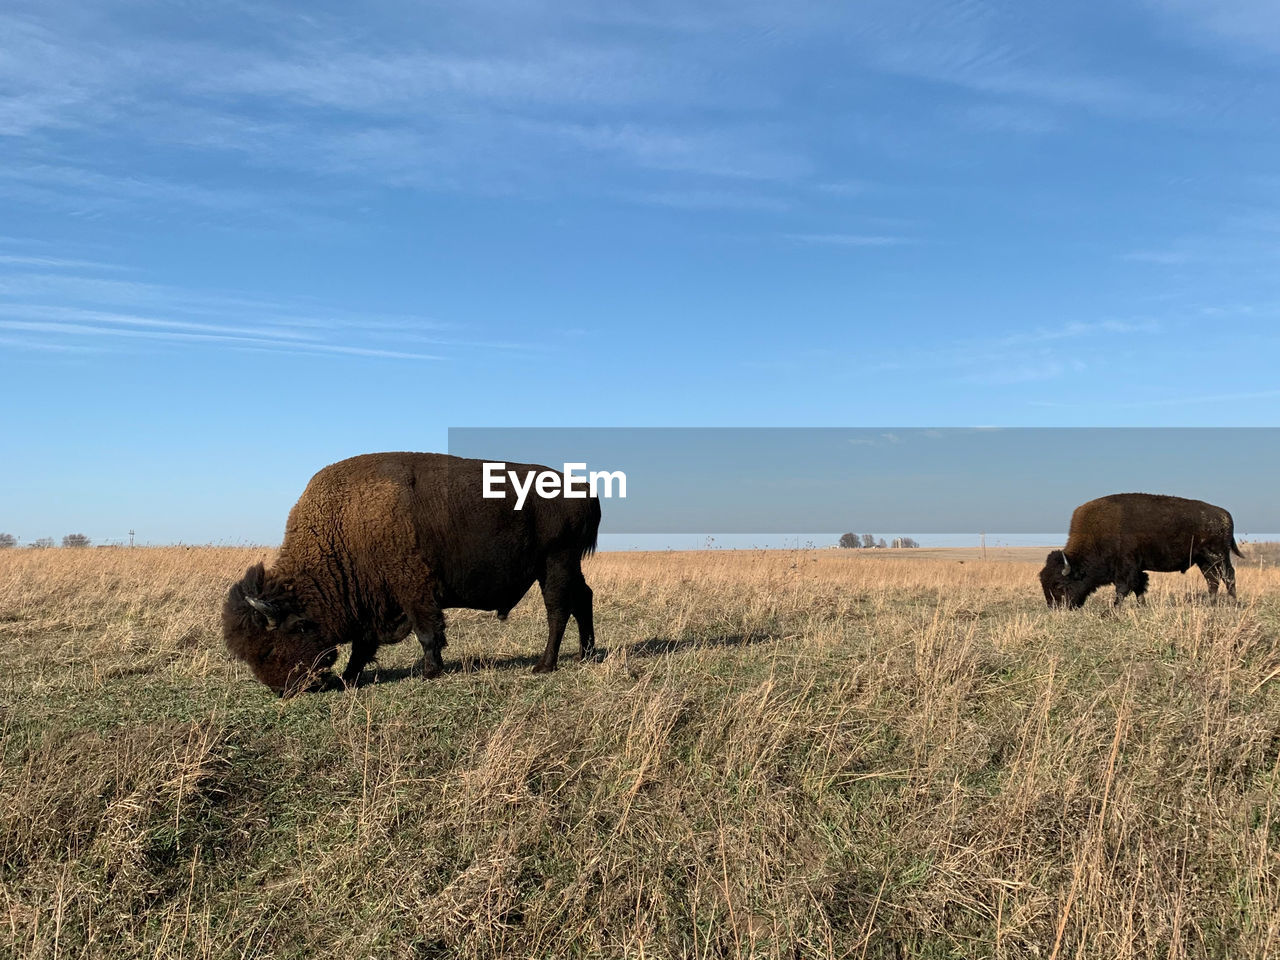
x: 808, y: 754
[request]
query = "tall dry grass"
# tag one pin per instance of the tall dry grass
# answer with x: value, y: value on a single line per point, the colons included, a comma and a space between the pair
x: 782, y: 754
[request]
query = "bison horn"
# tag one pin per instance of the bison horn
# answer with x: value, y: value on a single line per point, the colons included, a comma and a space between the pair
x: 263, y: 608
x: 1066, y: 565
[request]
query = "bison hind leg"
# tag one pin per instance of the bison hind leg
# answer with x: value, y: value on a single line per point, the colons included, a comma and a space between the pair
x: 585, y: 617
x: 565, y: 593
x: 1219, y: 570
x: 1211, y: 565
x: 428, y: 627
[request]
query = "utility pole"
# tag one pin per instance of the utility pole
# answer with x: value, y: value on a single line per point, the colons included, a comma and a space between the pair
x: 131, y: 538
x: 984, y: 544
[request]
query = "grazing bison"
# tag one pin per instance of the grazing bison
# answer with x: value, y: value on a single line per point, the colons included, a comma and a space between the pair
x: 1116, y: 539
x: 379, y: 545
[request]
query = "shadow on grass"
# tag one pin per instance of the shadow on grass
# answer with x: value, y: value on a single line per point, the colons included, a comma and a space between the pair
x: 659, y: 646
x: 652, y: 647
x: 470, y: 664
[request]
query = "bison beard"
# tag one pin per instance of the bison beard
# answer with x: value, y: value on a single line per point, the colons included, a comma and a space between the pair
x: 1116, y: 539
x: 378, y: 546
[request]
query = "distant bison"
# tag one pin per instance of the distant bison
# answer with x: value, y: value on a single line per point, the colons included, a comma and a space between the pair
x: 1116, y: 539
x: 379, y: 545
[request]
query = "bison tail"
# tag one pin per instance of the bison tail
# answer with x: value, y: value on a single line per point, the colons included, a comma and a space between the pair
x: 1235, y: 549
x: 591, y: 533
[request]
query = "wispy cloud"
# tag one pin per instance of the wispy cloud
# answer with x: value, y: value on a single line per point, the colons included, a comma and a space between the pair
x: 73, y: 317
x: 728, y: 152
x: 1011, y: 117
x: 850, y: 239
x: 79, y: 288
x: 66, y: 311
x: 1167, y: 258
x: 1171, y: 401
x: 91, y: 193
x: 40, y: 89
x: 1016, y: 371
x: 1247, y: 24
x: 705, y: 199
x: 69, y: 330
x: 55, y: 263
x: 1079, y: 329
x: 350, y: 80
x: 1232, y: 247
x: 507, y: 99
x: 306, y: 96
x: 20, y: 343
x: 846, y: 188
x: 979, y: 48
x: 1024, y: 357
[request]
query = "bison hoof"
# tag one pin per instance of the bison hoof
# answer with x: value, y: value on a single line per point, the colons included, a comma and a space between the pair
x: 541, y: 667
x: 429, y: 667
x: 326, y: 682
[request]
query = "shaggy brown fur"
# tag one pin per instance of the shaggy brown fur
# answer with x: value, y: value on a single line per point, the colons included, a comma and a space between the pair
x: 378, y: 546
x: 1116, y: 539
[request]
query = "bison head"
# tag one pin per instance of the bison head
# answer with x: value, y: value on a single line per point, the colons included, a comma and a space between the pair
x: 1063, y: 583
x: 263, y: 625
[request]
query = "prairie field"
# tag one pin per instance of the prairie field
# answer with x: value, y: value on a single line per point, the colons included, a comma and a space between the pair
x: 779, y: 754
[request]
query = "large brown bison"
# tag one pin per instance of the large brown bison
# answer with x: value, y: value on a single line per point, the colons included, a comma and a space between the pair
x: 378, y: 546
x: 1116, y: 539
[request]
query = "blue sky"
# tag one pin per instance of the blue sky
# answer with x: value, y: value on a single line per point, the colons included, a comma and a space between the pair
x: 240, y: 241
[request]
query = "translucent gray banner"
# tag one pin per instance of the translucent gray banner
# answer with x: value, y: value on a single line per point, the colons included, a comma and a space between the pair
x: 780, y: 480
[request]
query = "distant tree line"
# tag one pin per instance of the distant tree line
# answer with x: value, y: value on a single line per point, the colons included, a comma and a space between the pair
x: 43, y: 543
x: 851, y: 541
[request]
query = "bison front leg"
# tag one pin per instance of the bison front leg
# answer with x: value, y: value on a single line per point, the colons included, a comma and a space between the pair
x: 1140, y: 587
x: 432, y: 661
x: 362, y: 651
x: 1132, y: 581
x: 1123, y: 589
